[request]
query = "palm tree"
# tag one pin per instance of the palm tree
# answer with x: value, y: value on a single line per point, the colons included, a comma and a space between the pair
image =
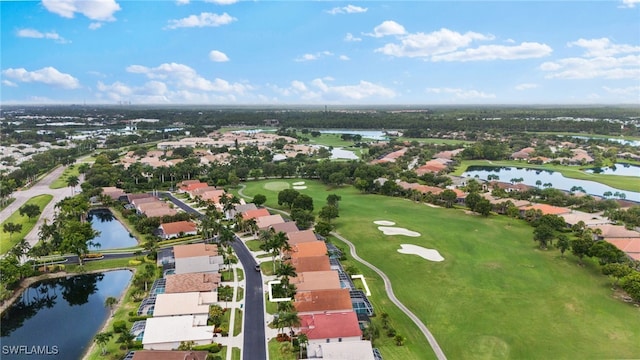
x: 303, y: 341
x: 110, y: 302
x: 102, y: 339
x: 285, y: 271
x: 72, y: 182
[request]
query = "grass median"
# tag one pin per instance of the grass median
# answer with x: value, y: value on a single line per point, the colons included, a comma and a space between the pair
x: 8, y: 241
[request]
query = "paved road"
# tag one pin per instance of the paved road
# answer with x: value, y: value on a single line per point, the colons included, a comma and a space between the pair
x: 254, y: 341
x: 387, y: 285
x: 40, y: 188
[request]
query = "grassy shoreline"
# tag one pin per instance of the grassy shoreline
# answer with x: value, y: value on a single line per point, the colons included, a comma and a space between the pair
x: 628, y: 183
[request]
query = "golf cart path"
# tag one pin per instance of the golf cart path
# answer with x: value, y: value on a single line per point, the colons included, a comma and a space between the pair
x: 387, y: 285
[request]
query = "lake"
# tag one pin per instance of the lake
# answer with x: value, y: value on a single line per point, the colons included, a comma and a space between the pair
x: 619, y: 169
x: 558, y: 181
x: 368, y: 134
x: 59, y: 317
x: 113, y: 234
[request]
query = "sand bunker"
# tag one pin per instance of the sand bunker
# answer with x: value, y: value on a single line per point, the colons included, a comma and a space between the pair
x: 384, y: 222
x: 397, y: 231
x: 298, y: 183
x: 428, y: 254
x: 298, y: 187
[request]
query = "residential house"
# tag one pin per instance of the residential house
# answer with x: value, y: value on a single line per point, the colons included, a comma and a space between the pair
x: 192, y: 282
x: 179, y: 304
x: 313, y: 263
x: 168, y: 355
x: 322, y: 301
x: 630, y: 246
x: 330, y: 327
x: 197, y: 258
x: 167, y: 332
x: 615, y: 231
x: 264, y: 222
x: 316, y: 280
x: 252, y: 214
x: 177, y: 229
x: 285, y: 227
x: 545, y: 209
x: 303, y: 236
x: 308, y: 249
x: 352, y: 350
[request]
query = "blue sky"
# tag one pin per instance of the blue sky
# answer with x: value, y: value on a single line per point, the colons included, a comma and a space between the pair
x: 320, y: 52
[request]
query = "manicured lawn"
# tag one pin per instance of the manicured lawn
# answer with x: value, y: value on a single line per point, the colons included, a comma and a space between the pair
x: 240, y: 294
x: 329, y: 140
x: 275, y: 351
x: 27, y: 224
x: 253, y: 245
x: 437, y: 141
x: 235, y: 353
x: 61, y: 182
x: 494, y: 296
x: 237, y: 322
x: 629, y: 183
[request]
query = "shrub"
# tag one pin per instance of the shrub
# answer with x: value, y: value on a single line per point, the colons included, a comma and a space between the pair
x: 119, y: 326
x: 212, y: 348
x: 283, y: 338
x: 391, y: 332
x: 135, y: 318
x: 135, y: 262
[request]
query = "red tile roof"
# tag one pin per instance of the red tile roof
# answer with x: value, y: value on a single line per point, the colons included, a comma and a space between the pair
x: 308, y: 249
x: 315, y: 263
x: 332, y: 325
x: 547, y: 209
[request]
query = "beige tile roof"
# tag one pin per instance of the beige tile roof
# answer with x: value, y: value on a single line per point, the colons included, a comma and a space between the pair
x: 193, y: 250
x: 301, y: 237
x: 316, y: 280
x: 202, y: 282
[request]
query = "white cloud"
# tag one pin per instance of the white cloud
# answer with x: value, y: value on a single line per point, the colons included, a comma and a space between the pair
x: 526, y: 50
x: 184, y: 77
x: 388, y: 27
x: 222, y: 2
x: 349, y: 9
x: 462, y: 93
x: 350, y: 38
x: 47, y: 75
x: 435, y: 43
x: 598, y: 61
x: 205, y: 19
x: 35, y: 34
x: 100, y: 10
x: 629, y: 3
x: 182, y: 2
x: 344, y: 58
x: 218, y: 56
x: 312, y: 57
x: 9, y: 83
x: 95, y: 25
x: 633, y: 91
x: 526, y: 86
x: 320, y: 90
x: 603, y: 47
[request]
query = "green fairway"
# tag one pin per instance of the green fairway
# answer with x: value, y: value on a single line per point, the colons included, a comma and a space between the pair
x: 629, y: 183
x: 495, y: 295
x: 331, y: 140
x: 437, y: 141
x: 27, y: 224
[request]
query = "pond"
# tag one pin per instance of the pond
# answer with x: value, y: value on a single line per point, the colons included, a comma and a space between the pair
x: 113, y: 234
x: 367, y: 134
x: 58, y: 318
x: 617, y: 140
x: 621, y: 169
x: 556, y: 179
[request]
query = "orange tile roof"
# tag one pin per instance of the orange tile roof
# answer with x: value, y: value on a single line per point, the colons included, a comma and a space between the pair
x: 193, y: 250
x: 178, y: 227
x: 252, y: 214
x: 309, y: 249
x: 547, y: 209
x: 314, y: 263
x: 301, y: 237
x: 333, y: 325
x: 316, y: 280
x: 194, y: 186
x: 322, y: 300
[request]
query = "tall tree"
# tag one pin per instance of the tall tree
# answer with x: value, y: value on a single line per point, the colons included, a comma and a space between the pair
x: 110, y: 302
x: 72, y: 182
x: 11, y: 228
x: 102, y: 339
x: 30, y: 210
